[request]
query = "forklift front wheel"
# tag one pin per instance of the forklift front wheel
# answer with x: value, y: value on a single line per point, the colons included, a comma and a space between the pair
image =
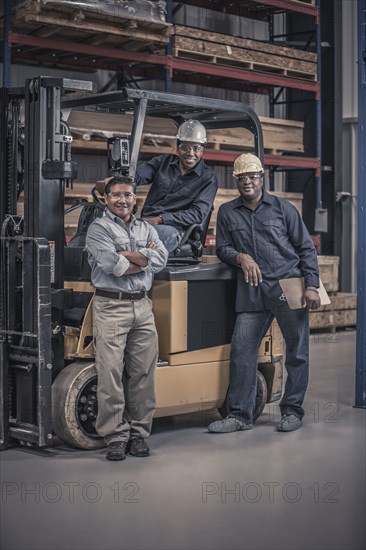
x: 75, y: 406
x: 260, y: 401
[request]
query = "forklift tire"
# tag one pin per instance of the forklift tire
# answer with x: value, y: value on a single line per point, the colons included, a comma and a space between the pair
x: 260, y: 401
x: 75, y: 406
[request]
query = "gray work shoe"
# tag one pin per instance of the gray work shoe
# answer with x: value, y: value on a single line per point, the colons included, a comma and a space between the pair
x: 289, y: 423
x: 230, y: 424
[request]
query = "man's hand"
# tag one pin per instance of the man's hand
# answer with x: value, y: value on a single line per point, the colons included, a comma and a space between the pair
x: 156, y: 220
x: 311, y: 299
x: 250, y: 268
x: 135, y: 258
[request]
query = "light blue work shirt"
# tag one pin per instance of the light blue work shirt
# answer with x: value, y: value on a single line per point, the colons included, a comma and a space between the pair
x: 106, y: 238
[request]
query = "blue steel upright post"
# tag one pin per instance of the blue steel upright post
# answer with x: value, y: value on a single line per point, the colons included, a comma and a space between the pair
x: 169, y: 49
x: 6, y: 47
x: 360, y: 400
x: 318, y: 121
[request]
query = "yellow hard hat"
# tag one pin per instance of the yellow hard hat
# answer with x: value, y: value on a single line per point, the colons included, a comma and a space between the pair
x: 247, y: 163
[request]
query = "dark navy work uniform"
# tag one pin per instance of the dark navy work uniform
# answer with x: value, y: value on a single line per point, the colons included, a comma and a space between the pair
x: 275, y: 236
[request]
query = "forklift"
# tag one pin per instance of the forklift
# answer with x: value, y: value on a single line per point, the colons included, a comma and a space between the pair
x: 48, y: 382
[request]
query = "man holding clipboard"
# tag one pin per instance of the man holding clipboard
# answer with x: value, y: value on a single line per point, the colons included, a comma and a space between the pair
x: 266, y: 239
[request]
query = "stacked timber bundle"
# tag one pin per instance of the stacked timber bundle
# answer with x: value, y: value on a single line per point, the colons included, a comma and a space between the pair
x: 90, y: 129
x: 253, y: 55
x: 341, y: 312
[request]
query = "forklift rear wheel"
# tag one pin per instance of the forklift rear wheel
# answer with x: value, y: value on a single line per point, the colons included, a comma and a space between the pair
x: 260, y: 400
x: 75, y: 406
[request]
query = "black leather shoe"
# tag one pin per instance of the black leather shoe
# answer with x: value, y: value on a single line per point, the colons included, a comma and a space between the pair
x: 116, y: 450
x: 139, y: 447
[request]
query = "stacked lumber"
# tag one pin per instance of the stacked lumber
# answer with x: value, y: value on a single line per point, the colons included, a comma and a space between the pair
x: 95, y: 23
x: 90, y: 130
x: 328, y: 270
x: 340, y: 313
x: 253, y: 55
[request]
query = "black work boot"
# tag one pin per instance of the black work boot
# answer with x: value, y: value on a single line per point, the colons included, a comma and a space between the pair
x: 116, y: 450
x: 139, y: 447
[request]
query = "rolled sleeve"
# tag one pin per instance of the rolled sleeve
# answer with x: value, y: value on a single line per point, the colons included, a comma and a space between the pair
x: 121, y: 267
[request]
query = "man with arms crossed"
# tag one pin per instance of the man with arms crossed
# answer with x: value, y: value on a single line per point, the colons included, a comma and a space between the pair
x: 124, y: 253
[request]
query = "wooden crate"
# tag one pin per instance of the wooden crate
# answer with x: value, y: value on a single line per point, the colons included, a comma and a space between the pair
x: 211, y: 47
x: 341, y: 312
x: 328, y: 270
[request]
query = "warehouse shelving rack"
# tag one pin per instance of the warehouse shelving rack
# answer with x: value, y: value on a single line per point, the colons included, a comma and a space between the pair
x: 85, y: 56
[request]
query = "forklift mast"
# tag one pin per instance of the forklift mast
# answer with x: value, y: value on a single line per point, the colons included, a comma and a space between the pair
x: 35, y: 160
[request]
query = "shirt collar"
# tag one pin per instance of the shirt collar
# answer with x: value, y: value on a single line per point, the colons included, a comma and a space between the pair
x: 266, y: 197
x: 198, y: 168
x: 118, y: 220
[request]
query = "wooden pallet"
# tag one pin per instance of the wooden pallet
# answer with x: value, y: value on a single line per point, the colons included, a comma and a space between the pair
x: 244, y: 43
x: 246, y: 54
x: 68, y: 23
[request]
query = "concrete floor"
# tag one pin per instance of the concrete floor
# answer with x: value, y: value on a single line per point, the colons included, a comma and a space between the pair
x: 257, y: 490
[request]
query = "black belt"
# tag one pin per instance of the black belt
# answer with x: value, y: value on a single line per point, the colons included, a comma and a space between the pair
x: 121, y: 295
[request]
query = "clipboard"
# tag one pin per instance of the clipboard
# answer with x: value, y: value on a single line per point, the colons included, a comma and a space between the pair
x: 293, y: 290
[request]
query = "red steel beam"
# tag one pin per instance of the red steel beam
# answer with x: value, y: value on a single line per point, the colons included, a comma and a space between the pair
x: 248, y: 10
x: 85, y: 49
x: 292, y: 162
x: 167, y: 61
x: 269, y: 160
x: 302, y: 7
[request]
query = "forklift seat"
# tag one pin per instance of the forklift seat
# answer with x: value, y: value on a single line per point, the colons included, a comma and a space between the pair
x: 191, y: 246
x: 89, y: 213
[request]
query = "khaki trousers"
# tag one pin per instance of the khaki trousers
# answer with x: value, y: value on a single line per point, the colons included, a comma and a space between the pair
x: 126, y: 353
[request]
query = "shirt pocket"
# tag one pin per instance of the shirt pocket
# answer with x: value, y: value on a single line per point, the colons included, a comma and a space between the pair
x: 273, y: 228
x: 122, y: 244
x: 239, y: 235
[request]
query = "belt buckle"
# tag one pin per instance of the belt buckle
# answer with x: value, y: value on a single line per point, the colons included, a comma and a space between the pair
x: 135, y: 296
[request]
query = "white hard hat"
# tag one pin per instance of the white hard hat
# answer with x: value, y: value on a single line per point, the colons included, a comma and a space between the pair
x: 247, y: 163
x: 192, y: 130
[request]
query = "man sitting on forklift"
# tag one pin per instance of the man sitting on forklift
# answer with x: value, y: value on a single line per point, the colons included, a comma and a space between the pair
x: 183, y: 187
